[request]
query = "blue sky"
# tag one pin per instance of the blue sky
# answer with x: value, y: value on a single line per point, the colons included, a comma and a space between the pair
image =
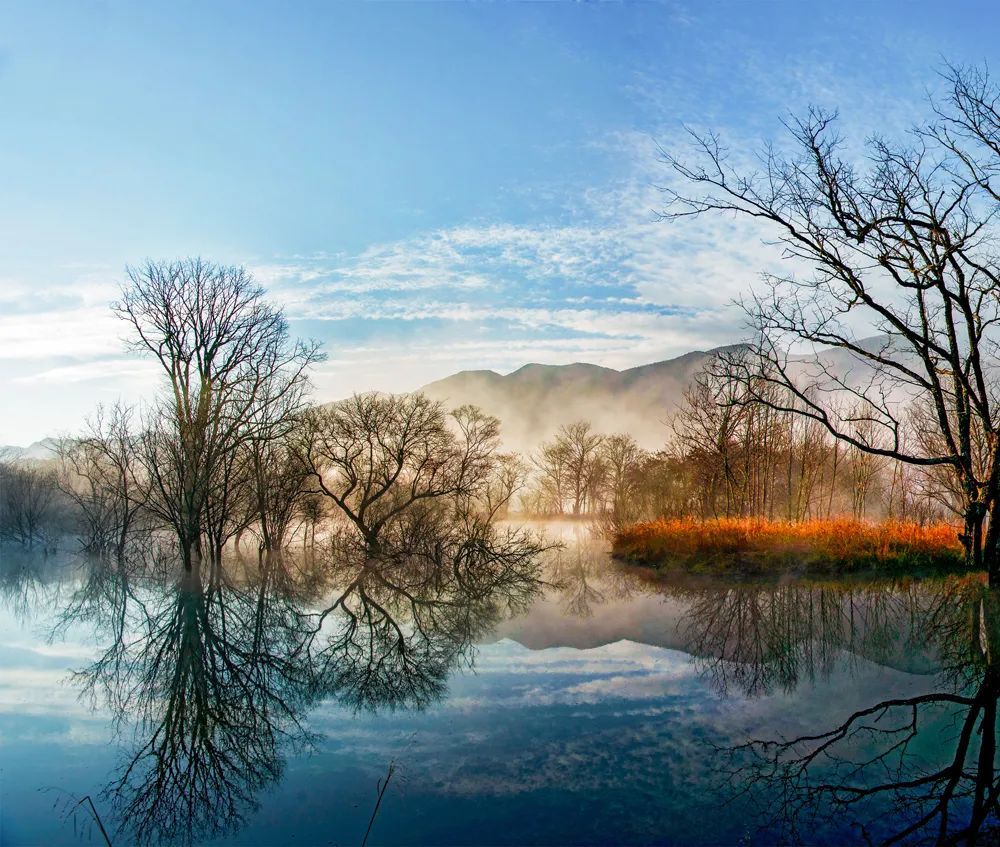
x: 425, y: 187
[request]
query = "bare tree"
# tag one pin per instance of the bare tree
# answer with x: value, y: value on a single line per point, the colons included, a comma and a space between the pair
x: 280, y: 483
x: 570, y: 467
x: 623, y: 458
x: 550, y: 464
x: 231, y: 372
x: 864, y: 466
x: 311, y: 510
x: 379, y: 456
x: 904, y: 245
x: 583, y: 461
x: 509, y: 476
x: 733, y: 445
x: 100, y: 475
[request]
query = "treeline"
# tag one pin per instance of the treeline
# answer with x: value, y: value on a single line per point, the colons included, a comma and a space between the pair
x: 731, y: 454
x: 231, y: 452
x: 368, y: 462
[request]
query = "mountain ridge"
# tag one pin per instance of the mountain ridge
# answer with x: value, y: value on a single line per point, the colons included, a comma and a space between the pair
x: 534, y: 400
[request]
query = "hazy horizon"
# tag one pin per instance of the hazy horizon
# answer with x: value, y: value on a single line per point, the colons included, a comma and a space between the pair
x: 520, y: 442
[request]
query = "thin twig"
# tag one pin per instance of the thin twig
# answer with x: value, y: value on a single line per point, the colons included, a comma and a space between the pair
x: 382, y: 786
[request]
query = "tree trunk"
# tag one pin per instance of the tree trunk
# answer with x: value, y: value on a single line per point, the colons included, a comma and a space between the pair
x: 982, y: 552
x: 191, y: 553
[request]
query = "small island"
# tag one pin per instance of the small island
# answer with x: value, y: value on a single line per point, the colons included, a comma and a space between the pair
x: 754, y: 546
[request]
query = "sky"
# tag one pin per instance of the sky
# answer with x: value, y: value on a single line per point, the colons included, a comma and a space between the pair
x: 424, y: 187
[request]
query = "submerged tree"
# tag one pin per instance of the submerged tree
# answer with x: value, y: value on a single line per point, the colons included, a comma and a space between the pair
x: 380, y: 457
x: 232, y: 375
x: 905, y: 244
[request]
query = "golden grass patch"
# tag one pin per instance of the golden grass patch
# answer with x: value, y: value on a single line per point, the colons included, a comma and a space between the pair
x: 756, y: 544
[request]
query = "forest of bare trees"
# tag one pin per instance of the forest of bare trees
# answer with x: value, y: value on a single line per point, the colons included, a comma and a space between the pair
x: 373, y: 464
x: 230, y: 453
x: 727, y: 454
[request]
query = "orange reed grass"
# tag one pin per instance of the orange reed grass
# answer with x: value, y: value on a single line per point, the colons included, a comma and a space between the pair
x: 755, y: 544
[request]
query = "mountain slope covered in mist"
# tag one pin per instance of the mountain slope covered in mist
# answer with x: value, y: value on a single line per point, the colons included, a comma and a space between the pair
x: 39, y: 450
x: 533, y: 401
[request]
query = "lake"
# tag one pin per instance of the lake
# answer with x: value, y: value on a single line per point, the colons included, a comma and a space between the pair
x: 586, y: 704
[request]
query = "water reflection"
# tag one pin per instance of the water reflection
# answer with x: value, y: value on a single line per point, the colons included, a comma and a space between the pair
x: 203, y: 680
x: 902, y: 769
x: 28, y: 583
x: 215, y: 680
x: 755, y: 640
x: 210, y: 676
x: 586, y: 578
x: 402, y: 621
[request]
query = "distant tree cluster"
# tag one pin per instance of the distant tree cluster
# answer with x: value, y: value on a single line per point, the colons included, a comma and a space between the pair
x: 749, y: 455
x: 729, y: 453
x: 31, y: 510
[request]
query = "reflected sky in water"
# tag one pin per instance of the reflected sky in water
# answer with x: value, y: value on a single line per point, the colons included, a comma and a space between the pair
x: 598, y: 708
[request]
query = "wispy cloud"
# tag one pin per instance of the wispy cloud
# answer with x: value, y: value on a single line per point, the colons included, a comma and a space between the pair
x: 613, y: 284
x: 82, y: 332
x: 119, y: 369
x: 600, y: 279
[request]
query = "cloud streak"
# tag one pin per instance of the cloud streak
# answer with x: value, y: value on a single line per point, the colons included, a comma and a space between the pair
x: 614, y: 285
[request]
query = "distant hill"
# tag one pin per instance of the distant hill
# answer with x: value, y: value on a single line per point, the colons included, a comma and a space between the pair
x: 535, y: 400
x: 39, y: 450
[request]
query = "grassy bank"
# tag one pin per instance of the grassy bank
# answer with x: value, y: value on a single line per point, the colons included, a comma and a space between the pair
x: 751, y: 546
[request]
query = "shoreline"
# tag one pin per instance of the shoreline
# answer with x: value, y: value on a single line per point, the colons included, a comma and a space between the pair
x: 738, y: 547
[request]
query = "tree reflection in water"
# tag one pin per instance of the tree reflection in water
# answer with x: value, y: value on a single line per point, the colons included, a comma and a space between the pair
x: 210, y: 675
x: 754, y: 640
x: 586, y: 579
x: 404, y: 619
x: 906, y: 769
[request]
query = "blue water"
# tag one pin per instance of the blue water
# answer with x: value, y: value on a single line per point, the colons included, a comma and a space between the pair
x: 600, y: 715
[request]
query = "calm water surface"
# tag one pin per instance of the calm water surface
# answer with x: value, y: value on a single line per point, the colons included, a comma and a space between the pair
x: 596, y: 707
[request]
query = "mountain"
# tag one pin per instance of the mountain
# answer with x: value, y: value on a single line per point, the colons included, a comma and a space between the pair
x: 535, y: 400
x: 39, y: 450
